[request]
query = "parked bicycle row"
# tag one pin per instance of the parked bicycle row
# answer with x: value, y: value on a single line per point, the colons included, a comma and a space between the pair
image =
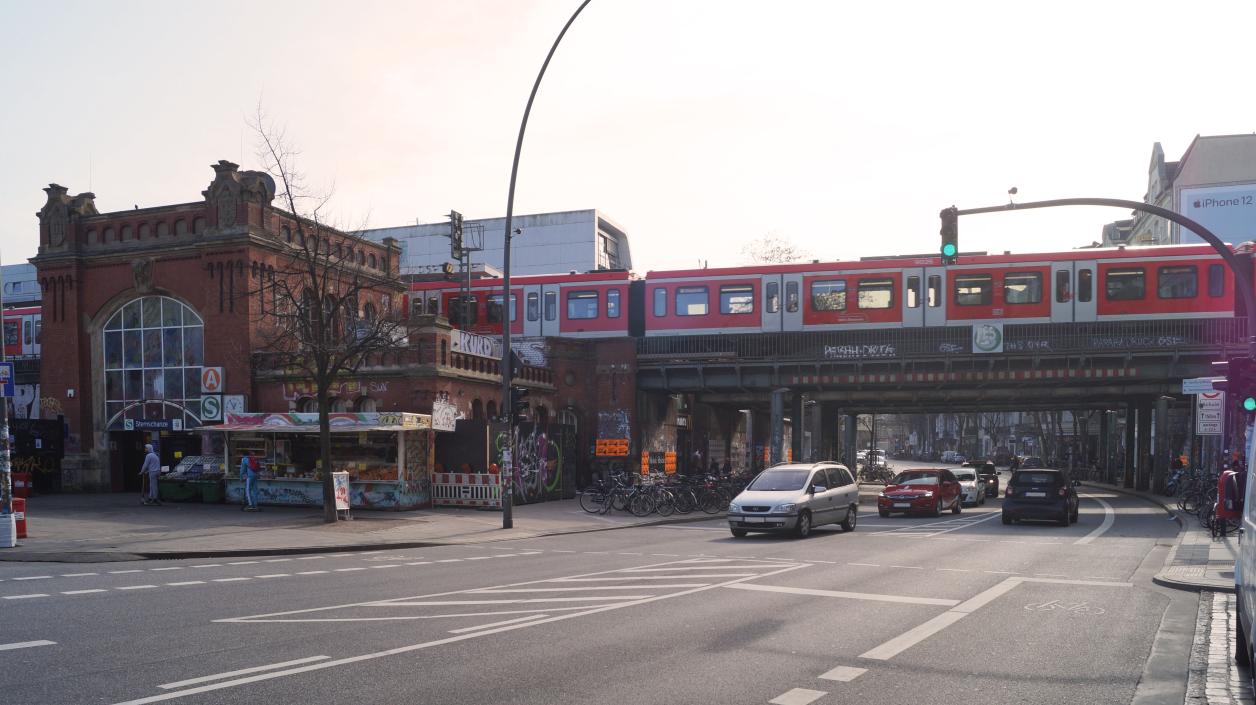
x: 675, y: 495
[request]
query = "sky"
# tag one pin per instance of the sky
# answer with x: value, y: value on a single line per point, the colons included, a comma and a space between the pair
x: 696, y: 125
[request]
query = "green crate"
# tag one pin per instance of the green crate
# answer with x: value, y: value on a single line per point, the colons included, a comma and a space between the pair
x: 210, y: 491
x: 176, y: 491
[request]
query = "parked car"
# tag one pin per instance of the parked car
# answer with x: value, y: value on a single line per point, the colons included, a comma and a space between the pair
x: 972, y: 484
x: 928, y: 490
x: 990, y: 472
x: 795, y: 498
x: 1030, y: 462
x: 1040, y: 494
x: 952, y: 456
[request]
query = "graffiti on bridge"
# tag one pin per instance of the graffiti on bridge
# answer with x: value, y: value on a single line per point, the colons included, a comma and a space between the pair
x: 34, y: 464
x: 538, y: 459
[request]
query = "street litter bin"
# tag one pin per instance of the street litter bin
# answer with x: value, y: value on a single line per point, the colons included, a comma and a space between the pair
x: 19, y: 514
x: 21, y: 484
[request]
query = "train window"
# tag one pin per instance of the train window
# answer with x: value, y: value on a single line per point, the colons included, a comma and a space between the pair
x: 493, y: 309
x: 551, y: 305
x: 11, y: 333
x: 1126, y: 284
x: 463, y: 310
x: 39, y: 328
x: 1085, y: 285
x: 534, y: 306
x: 791, y: 297
x: 691, y: 301
x: 433, y: 305
x: 660, y: 302
x: 612, y: 303
x: 1026, y: 287
x: 973, y: 289
x: 581, y: 304
x: 737, y: 298
x: 1062, y: 294
x: 934, y: 295
x: 913, y: 292
x: 1216, y: 282
x: 875, y: 293
x: 26, y: 332
x: 828, y: 295
x: 1180, y: 282
x: 773, y: 297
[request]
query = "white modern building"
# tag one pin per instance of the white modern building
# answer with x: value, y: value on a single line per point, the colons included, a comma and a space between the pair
x: 20, y: 287
x: 548, y: 243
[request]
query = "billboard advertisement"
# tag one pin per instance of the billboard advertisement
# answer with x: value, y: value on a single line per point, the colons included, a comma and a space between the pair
x: 1228, y: 211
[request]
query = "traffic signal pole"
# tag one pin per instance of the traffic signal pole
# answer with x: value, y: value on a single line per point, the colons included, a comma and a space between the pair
x: 1242, y: 279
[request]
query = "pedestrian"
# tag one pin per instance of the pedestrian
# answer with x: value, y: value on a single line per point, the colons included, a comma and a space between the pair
x: 151, y: 470
x: 248, y: 473
x: 727, y: 468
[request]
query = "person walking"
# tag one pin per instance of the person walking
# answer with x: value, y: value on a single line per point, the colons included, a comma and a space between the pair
x: 151, y: 470
x: 248, y: 473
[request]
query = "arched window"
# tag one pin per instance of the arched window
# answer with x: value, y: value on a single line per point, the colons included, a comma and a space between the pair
x: 198, y: 226
x: 491, y: 409
x: 477, y: 410
x: 308, y: 405
x: 180, y: 227
x: 368, y: 313
x: 367, y: 405
x: 144, y: 231
x: 153, y: 352
x: 361, y: 257
x: 444, y: 348
x: 568, y: 417
x: 372, y: 260
x: 163, y: 229
x: 126, y: 233
x: 339, y: 405
x: 286, y: 233
x: 109, y: 237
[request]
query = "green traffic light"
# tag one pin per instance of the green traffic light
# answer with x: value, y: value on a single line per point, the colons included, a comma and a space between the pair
x: 949, y: 250
x: 1249, y: 404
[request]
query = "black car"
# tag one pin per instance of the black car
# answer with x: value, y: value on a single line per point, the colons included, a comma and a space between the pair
x: 1040, y: 493
x: 987, y: 470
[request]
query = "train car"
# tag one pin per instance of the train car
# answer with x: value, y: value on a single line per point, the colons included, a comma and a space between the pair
x: 23, y: 328
x: 591, y: 305
x: 1114, y: 284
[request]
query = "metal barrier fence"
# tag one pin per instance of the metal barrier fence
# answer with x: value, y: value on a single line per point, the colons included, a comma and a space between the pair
x: 899, y: 343
x: 460, y: 489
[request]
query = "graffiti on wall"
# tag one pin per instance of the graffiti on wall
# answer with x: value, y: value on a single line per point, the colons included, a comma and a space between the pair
x: 420, y: 457
x: 613, y: 423
x: 26, y: 401
x: 538, y: 470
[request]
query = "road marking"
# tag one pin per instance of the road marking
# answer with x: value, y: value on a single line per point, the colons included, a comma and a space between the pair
x: 954, y: 570
x: 420, y: 563
x: 309, y: 558
x: 472, y: 558
x: 80, y: 592
x: 276, y: 575
x: 26, y: 597
x: 438, y: 603
x: 798, y: 696
x: 687, y: 576
x: 1109, y: 517
x: 902, y: 599
x: 845, y: 674
x: 456, y: 560
x: 478, y: 627
x: 135, y: 587
x: 312, y: 572
x: 866, y: 565
x: 33, y: 577
x: 398, y: 565
x: 495, y: 591
x: 276, y: 560
x: 120, y: 572
x: 244, y: 563
x: 912, y: 567
x: 208, y: 565
x: 562, y: 551
x: 76, y: 575
x: 1002, y: 572
x: 25, y: 644
x: 188, y: 582
x: 697, y: 566
x: 347, y: 570
x: 230, y: 580
x: 242, y: 671
x: 174, y: 567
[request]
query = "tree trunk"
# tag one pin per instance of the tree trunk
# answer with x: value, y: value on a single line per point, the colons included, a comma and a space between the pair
x: 324, y: 453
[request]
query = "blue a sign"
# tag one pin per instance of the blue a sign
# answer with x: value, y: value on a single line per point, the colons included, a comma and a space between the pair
x: 6, y: 379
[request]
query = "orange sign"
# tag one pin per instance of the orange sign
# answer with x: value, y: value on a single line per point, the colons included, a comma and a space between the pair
x: 645, y: 463
x: 211, y: 380
x: 611, y: 447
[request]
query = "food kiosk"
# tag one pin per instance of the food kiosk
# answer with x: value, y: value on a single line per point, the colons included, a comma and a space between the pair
x: 388, y: 456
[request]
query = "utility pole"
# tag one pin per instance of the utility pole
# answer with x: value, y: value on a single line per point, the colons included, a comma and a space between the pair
x: 6, y: 467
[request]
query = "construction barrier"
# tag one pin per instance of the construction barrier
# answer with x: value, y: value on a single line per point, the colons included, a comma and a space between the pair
x: 462, y: 489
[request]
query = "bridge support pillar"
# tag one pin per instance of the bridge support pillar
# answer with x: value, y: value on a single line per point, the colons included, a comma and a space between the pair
x: 1131, y: 450
x: 827, y: 432
x: 1160, y: 463
x: 1104, y: 461
x: 798, y: 427
x: 848, y: 444
x: 777, y: 452
x: 1144, y: 446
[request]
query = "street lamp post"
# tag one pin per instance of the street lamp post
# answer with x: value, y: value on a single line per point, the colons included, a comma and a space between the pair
x: 507, y: 470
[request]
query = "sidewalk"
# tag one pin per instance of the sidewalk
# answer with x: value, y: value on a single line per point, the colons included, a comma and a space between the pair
x: 115, y: 527
x: 1197, y: 561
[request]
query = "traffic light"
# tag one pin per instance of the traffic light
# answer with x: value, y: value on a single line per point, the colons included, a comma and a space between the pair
x: 950, y: 235
x: 519, y: 404
x: 1240, y: 381
x: 455, y: 234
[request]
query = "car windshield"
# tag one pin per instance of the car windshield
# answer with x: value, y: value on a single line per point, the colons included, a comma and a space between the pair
x: 1035, y: 478
x: 916, y: 478
x: 779, y: 480
x: 965, y: 475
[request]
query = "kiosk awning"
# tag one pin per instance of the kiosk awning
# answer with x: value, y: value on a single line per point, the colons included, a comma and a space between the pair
x: 341, y: 422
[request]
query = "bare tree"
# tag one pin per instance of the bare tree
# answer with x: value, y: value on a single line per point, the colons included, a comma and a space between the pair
x: 773, y: 248
x: 322, y: 312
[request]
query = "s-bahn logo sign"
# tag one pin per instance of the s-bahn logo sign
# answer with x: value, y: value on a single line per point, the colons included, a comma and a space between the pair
x: 988, y: 337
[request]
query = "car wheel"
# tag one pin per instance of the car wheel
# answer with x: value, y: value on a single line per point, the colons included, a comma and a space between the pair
x: 1075, y: 512
x: 937, y: 509
x: 803, y: 529
x: 1064, y: 518
x: 957, y: 507
x: 1007, y: 519
x: 739, y: 533
x: 884, y: 513
x: 848, y: 524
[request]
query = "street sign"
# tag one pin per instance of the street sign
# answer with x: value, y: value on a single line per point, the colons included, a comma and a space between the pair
x: 6, y: 379
x: 1197, y: 385
x: 232, y: 404
x: 1209, y: 413
x: 211, y: 407
x: 211, y: 380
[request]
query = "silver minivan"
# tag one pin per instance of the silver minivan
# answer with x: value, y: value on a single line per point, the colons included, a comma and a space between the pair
x: 795, y: 498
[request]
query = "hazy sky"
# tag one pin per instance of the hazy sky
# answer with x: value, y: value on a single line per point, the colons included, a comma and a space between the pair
x: 696, y: 124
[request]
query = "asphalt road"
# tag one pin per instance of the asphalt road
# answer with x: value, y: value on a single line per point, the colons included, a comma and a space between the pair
x: 958, y: 609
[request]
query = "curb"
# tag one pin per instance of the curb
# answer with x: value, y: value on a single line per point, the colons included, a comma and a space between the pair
x: 110, y: 556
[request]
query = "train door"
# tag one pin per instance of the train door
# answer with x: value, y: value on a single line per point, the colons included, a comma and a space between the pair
x: 791, y: 302
x: 1085, y: 292
x: 28, y: 335
x: 934, y: 302
x: 772, y: 303
x: 532, y: 311
x: 913, y: 297
x: 1062, y: 292
x: 39, y: 333
x: 549, y: 309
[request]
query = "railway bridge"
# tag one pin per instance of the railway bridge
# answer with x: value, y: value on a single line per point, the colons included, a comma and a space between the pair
x: 1133, y: 368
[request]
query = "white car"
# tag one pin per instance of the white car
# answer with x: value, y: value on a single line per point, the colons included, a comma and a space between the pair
x: 952, y: 456
x: 972, y: 486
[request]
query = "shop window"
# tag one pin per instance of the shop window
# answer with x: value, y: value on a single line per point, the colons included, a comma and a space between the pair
x: 973, y: 289
x: 534, y: 306
x: 581, y: 305
x: 791, y: 297
x: 1026, y: 287
x: 612, y: 303
x: 737, y: 298
x: 1216, y: 280
x: 828, y: 295
x: 773, y: 296
x: 551, y: 305
x: 875, y: 293
x: 1180, y: 282
x: 660, y: 302
x: 691, y: 301
x: 1125, y: 284
x: 913, y: 292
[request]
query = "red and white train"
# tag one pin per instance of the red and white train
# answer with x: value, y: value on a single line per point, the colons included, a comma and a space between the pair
x: 1120, y: 284
x: 22, y: 331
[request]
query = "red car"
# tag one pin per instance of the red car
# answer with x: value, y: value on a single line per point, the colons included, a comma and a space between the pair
x: 929, y: 491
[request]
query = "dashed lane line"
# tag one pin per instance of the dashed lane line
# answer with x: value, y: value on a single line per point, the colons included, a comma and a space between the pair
x: 26, y: 597
x: 26, y: 644
x: 844, y: 674
x: 798, y: 696
x: 186, y: 582
x: 82, y: 592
